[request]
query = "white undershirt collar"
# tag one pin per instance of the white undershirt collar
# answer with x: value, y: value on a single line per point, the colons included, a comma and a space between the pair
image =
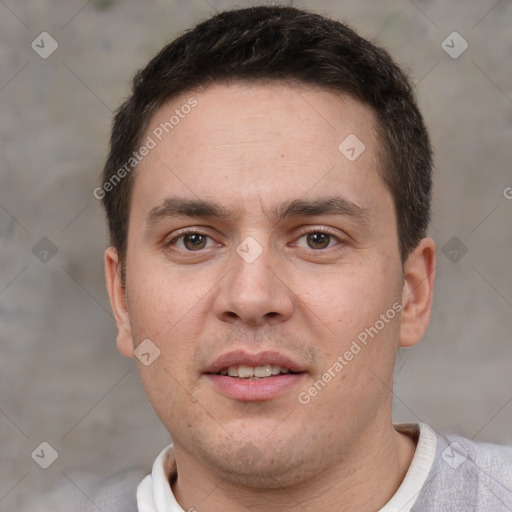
x: 154, y: 494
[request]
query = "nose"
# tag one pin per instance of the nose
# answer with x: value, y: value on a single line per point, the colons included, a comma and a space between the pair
x: 253, y: 294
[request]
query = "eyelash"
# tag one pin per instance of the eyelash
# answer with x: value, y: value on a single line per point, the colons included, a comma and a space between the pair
x: 170, y: 243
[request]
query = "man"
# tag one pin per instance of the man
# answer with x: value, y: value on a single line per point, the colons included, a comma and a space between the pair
x: 268, y: 194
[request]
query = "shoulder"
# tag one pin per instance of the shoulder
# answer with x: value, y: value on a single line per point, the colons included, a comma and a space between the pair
x: 470, y: 455
x: 476, y: 474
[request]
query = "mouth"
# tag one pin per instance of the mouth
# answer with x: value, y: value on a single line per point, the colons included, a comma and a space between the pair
x: 254, y: 377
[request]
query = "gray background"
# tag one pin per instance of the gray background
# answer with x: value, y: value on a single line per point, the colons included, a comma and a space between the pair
x: 61, y: 378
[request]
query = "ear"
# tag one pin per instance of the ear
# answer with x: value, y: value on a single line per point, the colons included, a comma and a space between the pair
x: 116, y: 293
x: 418, y: 292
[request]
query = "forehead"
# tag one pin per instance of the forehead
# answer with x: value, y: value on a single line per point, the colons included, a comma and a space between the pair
x: 247, y: 144
x: 273, y: 113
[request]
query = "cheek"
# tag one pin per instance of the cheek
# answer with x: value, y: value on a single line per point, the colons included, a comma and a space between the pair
x: 172, y: 310
x: 358, y: 347
x: 343, y: 298
x: 165, y: 301
x: 346, y: 307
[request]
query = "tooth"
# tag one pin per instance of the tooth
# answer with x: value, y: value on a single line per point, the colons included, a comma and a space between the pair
x: 276, y: 370
x: 263, y: 371
x: 245, y: 372
x: 233, y: 371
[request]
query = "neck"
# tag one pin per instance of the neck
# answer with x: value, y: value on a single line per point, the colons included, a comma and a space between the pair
x: 365, y: 479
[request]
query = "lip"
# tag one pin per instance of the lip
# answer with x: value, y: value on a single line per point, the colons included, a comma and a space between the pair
x: 242, y: 357
x: 255, y: 390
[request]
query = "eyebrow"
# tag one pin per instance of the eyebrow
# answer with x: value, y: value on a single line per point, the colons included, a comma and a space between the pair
x: 207, y: 209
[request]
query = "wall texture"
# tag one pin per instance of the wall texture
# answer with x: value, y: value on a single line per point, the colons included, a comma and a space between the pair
x: 61, y: 378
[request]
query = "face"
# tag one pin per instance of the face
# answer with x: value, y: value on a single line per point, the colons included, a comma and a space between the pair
x: 259, y: 246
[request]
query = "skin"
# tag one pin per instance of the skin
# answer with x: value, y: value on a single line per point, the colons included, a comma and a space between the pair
x: 252, y: 148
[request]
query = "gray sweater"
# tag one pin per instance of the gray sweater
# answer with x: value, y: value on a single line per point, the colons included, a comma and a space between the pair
x: 467, y: 476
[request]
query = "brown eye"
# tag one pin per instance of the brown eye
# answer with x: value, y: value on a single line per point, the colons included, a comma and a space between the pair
x: 191, y: 241
x: 318, y: 240
x: 194, y: 241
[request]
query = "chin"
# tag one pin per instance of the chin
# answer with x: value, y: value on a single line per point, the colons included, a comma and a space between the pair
x: 266, y: 466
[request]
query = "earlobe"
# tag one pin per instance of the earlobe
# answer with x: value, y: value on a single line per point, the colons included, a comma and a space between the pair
x: 117, y: 296
x: 417, y: 294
